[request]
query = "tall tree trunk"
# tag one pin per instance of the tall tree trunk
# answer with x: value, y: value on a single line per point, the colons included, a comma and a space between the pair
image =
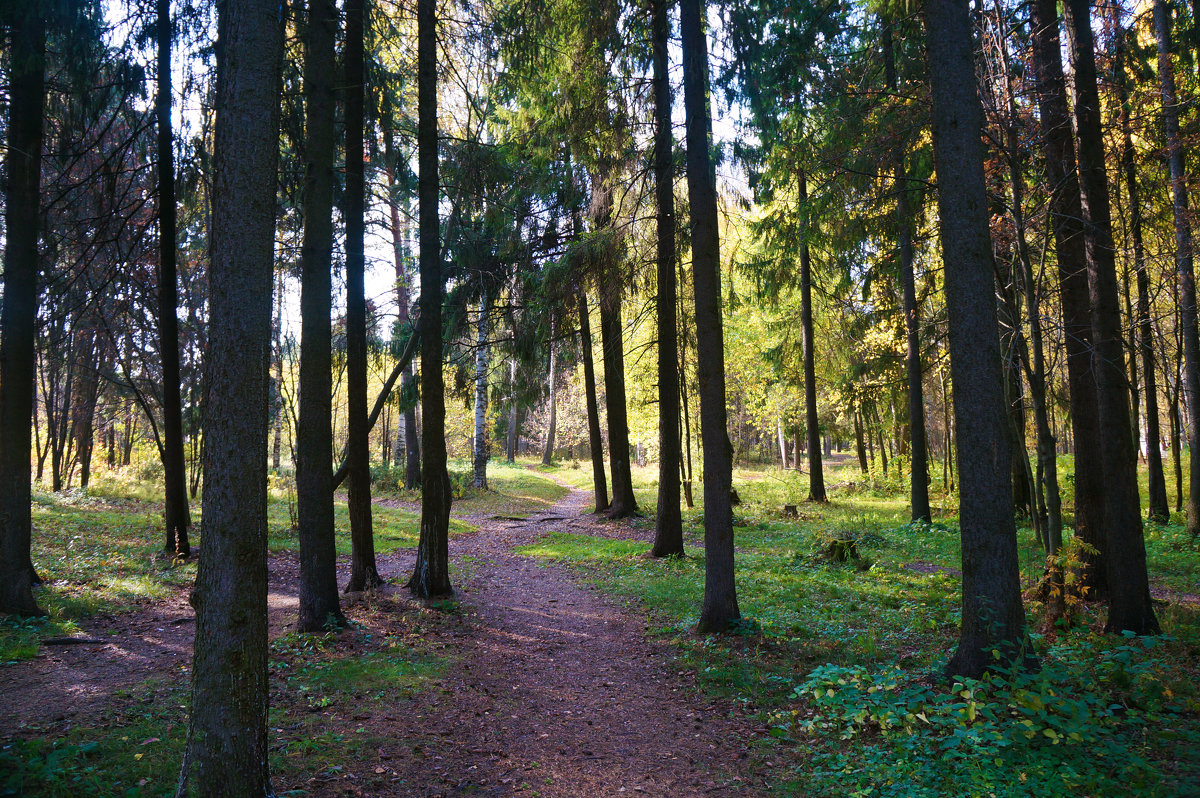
x: 552, y: 380
x: 363, y: 571
x: 1067, y: 214
x: 510, y: 449
x: 277, y: 405
x: 859, y: 446
x: 480, y: 438
x: 993, y: 619
x: 431, y: 575
x: 720, y: 608
x: 227, y: 737
x: 1183, y: 258
x: 613, y: 345
x: 668, y: 522
x: 595, y: 443
x: 27, y: 92
x: 1158, y: 510
x: 176, y: 515
x: 816, y: 474
x: 1130, y: 606
x: 319, y: 602
x: 783, y: 452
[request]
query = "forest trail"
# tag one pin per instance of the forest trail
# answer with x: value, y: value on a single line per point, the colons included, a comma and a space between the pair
x: 556, y: 690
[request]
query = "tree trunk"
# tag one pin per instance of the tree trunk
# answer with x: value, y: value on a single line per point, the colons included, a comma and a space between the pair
x: 783, y: 452
x: 363, y: 571
x: 720, y: 608
x: 510, y: 452
x: 993, y: 620
x: 480, y: 438
x: 176, y: 515
x: 27, y: 91
x: 816, y: 474
x: 1066, y: 213
x: 227, y: 737
x: 548, y: 452
x: 1183, y: 258
x: 431, y: 574
x: 595, y: 443
x: 613, y: 344
x: 1158, y: 510
x: 1130, y: 607
x: 668, y: 522
x: 277, y: 406
x: 319, y: 602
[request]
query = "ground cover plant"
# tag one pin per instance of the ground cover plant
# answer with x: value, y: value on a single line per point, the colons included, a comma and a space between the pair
x: 843, y: 658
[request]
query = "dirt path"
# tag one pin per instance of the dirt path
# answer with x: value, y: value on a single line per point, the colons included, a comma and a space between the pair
x: 557, y: 691
x: 554, y: 689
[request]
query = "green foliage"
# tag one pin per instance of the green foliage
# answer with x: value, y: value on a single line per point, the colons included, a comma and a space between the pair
x: 1088, y: 722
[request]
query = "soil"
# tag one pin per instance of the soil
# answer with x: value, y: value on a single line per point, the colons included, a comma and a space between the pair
x: 553, y: 690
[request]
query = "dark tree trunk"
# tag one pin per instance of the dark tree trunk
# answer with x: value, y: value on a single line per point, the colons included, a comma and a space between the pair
x: 1067, y: 214
x: 613, y: 344
x: 227, y: 738
x: 277, y: 405
x: 176, y: 516
x: 27, y: 92
x: 412, y: 440
x: 859, y: 446
x: 319, y: 602
x: 1158, y: 510
x: 720, y: 608
x: 431, y: 575
x: 1183, y: 258
x: 816, y: 474
x: 363, y: 571
x: 668, y: 522
x: 993, y: 620
x: 1130, y: 607
x: 595, y: 443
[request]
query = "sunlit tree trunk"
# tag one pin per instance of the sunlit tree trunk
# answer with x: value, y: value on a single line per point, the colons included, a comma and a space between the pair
x: 595, y: 442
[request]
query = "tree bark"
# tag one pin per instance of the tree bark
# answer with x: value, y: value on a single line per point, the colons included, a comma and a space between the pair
x: 816, y: 474
x: 227, y: 737
x: 510, y: 450
x: 363, y: 571
x: 176, y: 517
x: 720, y: 608
x: 1158, y: 510
x: 612, y: 342
x: 993, y: 619
x: 480, y: 438
x: 431, y: 575
x: 1067, y: 214
x: 1130, y: 606
x: 1184, y: 264
x: 595, y: 443
x: 319, y: 602
x: 27, y: 93
x: 668, y: 521
x: 552, y: 380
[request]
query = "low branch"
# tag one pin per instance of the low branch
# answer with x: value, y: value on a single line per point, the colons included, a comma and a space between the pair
x: 410, y: 350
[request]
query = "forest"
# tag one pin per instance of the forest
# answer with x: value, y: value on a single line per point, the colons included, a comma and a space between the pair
x: 599, y: 397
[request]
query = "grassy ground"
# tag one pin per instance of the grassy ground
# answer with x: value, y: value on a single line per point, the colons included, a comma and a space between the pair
x: 99, y: 554
x: 839, y: 657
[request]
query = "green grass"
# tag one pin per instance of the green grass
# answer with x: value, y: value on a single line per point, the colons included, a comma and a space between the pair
x: 514, y: 490
x: 320, y: 687
x: 879, y: 628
